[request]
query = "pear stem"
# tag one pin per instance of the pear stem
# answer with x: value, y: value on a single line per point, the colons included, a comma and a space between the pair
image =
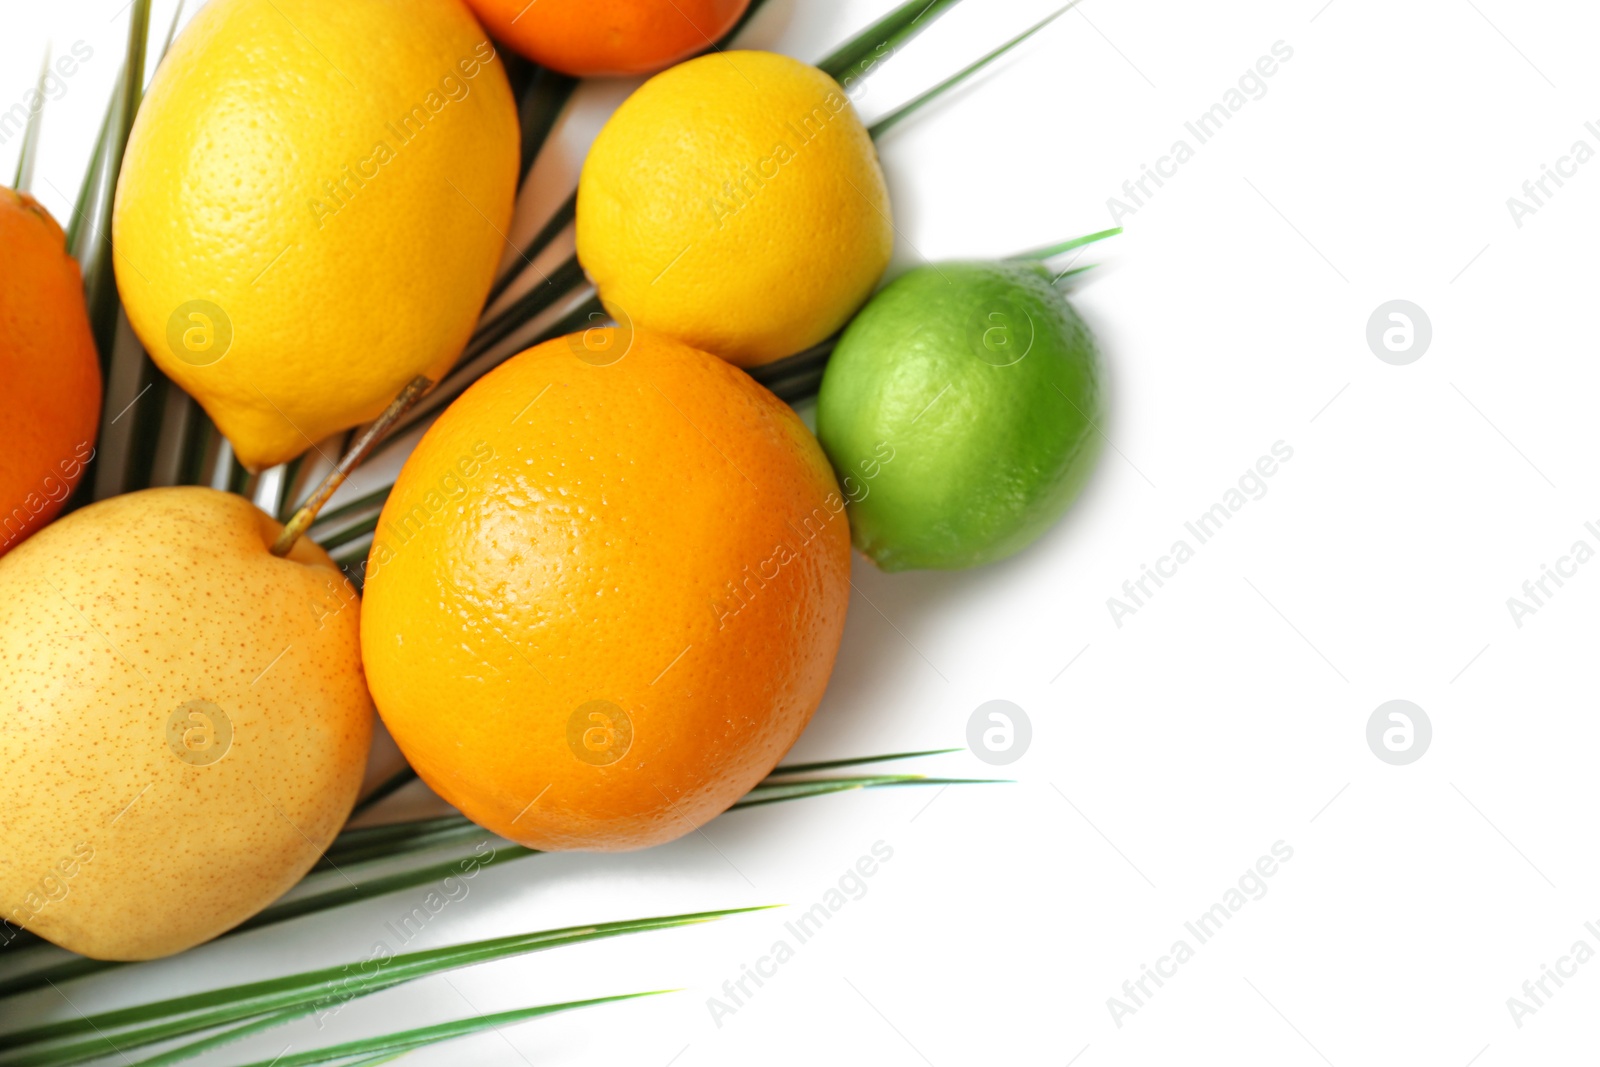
x: 307, y: 513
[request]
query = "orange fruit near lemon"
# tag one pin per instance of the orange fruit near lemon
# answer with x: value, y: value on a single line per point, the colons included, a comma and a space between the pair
x: 606, y: 592
x: 735, y: 203
x: 50, y: 397
x: 312, y: 207
x: 586, y: 39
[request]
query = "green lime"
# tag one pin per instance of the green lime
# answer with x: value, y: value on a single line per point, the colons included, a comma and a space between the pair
x: 960, y: 411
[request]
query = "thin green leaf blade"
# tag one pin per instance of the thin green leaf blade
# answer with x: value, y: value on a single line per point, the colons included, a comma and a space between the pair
x: 30, y: 135
x: 905, y: 111
x: 407, y: 1040
x: 738, y: 27
x: 821, y: 787
x: 225, y: 1037
x: 564, y: 213
x: 163, y: 1020
x: 556, y: 284
x: 1073, y: 272
x: 1050, y: 251
x: 92, y: 176
x: 100, y: 284
x: 358, y: 506
x: 393, y: 841
x: 172, y: 29
x: 854, y: 761
x: 857, y: 56
x: 368, y: 888
x: 541, y: 105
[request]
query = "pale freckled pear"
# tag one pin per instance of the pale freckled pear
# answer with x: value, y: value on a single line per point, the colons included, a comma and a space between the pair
x: 184, y: 722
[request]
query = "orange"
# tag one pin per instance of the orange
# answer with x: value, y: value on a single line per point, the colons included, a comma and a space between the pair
x: 616, y: 37
x: 49, y: 376
x: 606, y: 593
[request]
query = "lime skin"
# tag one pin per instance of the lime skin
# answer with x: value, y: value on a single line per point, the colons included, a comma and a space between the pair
x: 961, y: 412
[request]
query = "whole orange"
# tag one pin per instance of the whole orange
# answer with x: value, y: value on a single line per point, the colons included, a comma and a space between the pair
x: 606, y: 592
x: 617, y: 37
x: 49, y: 376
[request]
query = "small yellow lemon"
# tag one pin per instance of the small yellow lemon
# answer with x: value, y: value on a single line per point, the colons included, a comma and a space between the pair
x: 311, y: 209
x: 735, y: 202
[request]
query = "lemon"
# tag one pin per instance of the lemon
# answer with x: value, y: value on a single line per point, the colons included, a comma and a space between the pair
x: 961, y: 412
x: 735, y: 203
x: 311, y: 208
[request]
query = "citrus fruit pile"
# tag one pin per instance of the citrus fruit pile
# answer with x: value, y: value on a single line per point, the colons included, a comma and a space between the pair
x: 606, y: 592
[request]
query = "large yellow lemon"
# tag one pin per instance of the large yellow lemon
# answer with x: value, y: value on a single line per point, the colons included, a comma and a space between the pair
x: 734, y: 202
x: 311, y: 209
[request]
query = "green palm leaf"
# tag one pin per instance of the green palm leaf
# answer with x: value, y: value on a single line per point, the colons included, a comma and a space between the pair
x: 100, y: 284
x: 376, y: 1050
x: 540, y: 105
x: 857, y: 56
x: 225, y: 1037
x: 365, y: 846
x: 30, y: 135
x: 92, y: 176
x: 406, y: 775
x: 905, y: 111
x: 1051, y: 251
x: 327, y: 988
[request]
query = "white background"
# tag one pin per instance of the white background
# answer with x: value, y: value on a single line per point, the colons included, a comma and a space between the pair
x: 1229, y: 713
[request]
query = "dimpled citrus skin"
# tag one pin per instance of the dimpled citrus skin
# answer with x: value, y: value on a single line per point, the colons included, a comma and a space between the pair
x: 960, y: 410
x: 333, y: 179
x: 49, y: 377
x: 735, y: 202
x: 569, y: 533
x: 110, y: 619
x: 619, y: 37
